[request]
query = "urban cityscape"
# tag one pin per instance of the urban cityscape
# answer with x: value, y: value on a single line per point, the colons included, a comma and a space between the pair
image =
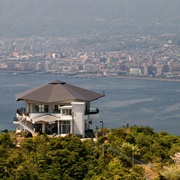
x: 93, y: 55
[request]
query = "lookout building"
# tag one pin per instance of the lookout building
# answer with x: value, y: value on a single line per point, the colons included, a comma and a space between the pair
x: 57, y: 108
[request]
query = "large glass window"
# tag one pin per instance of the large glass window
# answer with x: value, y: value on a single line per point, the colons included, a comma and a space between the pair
x: 67, y: 111
x: 42, y: 108
x: 56, y: 109
x: 64, y: 127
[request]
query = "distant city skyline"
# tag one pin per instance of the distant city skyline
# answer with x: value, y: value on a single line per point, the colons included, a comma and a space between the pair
x: 136, y: 38
x: 145, y: 56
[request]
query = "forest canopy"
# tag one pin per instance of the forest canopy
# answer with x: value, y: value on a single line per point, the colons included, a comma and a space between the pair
x: 124, y: 153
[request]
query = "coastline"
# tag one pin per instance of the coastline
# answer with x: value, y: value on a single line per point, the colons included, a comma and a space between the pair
x: 96, y: 75
x: 148, y: 78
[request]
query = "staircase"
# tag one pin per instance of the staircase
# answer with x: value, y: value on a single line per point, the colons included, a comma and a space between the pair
x: 26, y: 125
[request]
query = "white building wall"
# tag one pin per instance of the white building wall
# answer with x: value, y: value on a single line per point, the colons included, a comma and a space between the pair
x: 135, y: 71
x: 53, y: 55
x: 78, y: 112
x: 40, y: 66
x: 47, y: 66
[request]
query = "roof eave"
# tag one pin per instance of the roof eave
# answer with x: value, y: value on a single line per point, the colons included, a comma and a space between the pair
x: 97, y: 98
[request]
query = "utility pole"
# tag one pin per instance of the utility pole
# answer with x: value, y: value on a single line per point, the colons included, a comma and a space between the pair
x: 72, y: 123
x: 102, y: 124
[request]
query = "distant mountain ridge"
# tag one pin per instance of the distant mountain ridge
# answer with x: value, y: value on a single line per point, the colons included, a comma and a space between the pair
x: 46, y: 18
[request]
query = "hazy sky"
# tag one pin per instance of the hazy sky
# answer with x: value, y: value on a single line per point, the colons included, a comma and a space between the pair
x: 27, y: 17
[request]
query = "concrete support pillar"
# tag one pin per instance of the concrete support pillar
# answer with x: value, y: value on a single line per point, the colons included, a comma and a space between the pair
x: 43, y: 128
x: 58, y: 128
x: 78, y: 123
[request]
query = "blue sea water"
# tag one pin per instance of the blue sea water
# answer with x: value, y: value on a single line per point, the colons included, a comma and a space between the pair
x: 136, y: 102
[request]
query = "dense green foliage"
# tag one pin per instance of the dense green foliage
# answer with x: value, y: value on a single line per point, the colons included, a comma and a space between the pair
x: 117, y: 154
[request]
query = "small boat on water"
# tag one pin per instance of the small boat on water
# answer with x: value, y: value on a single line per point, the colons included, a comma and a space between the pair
x: 15, y: 74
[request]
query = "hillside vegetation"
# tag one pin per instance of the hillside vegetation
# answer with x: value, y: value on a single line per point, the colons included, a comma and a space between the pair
x: 124, y: 153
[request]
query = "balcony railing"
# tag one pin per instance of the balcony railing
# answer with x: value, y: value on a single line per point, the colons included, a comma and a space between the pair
x: 65, y: 113
x: 92, y: 111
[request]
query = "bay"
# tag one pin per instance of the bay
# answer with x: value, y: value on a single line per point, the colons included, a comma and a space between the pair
x: 127, y: 101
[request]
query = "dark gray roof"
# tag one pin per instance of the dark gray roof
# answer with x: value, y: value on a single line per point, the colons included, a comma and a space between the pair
x: 58, y: 91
